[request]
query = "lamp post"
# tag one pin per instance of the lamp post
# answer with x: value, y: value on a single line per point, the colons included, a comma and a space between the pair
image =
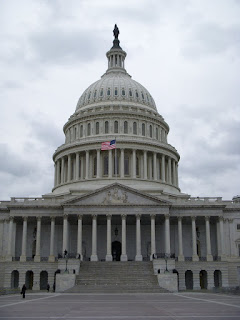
x: 166, y: 257
x: 66, y: 260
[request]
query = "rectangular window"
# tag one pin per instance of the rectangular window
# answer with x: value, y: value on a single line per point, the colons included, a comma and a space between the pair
x: 238, y: 227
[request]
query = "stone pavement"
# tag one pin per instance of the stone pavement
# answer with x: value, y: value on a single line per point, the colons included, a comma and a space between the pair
x: 120, y: 306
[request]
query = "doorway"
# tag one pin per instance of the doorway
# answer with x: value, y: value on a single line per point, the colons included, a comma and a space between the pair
x: 29, y: 280
x: 116, y: 250
x: 203, y: 279
x: 14, y: 279
x: 43, y: 280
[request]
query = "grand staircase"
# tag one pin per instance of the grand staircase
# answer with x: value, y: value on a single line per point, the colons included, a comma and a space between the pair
x: 116, y: 277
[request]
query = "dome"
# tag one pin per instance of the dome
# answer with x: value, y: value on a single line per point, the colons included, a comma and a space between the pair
x: 116, y: 85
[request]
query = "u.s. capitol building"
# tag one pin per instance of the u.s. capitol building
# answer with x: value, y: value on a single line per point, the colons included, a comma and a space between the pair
x: 116, y: 219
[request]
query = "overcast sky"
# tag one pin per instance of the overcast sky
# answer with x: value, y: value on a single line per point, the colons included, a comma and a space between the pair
x: 185, y: 52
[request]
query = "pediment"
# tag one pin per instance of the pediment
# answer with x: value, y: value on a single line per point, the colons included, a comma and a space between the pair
x: 116, y: 195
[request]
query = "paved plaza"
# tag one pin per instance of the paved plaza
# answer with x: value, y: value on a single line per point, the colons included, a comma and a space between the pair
x: 120, y: 306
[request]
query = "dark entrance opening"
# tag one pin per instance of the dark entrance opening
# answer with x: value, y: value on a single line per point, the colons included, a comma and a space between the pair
x: 116, y: 250
x: 189, y: 280
x: 43, y: 280
x: 29, y: 279
x: 203, y: 279
x: 217, y: 278
x: 14, y: 279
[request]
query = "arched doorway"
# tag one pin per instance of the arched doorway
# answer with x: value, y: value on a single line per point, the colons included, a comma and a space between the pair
x: 217, y: 278
x: 15, y: 279
x: 43, y: 280
x: 189, y: 280
x: 116, y: 250
x: 203, y: 279
x: 29, y: 280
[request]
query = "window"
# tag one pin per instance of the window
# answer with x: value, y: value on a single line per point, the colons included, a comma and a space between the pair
x: 75, y: 133
x: 126, y: 165
x: 239, y: 250
x: 101, y: 92
x: 116, y: 91
x: 89, y: 95
x: 143, y: 129
x: 125, y: 127
x: 89, y: 129
x: 142, y: 96
x: 95, y: 166
x: 108, y: 92
x: 130, y: 92
x: 97, y: 127
x: 95, y: 93
x: 123, y: 92
x: 134, y: 127
x: 105, y: 165
x: 238, y: 227
x: 115, y: 126
x: 136, y: 94
x: 157, y: 133
x: 106, y: 126
x: 81, y: 131
x: 150, y: 131
x: 137, y: 166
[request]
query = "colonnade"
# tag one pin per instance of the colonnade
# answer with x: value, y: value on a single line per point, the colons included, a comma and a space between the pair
x: 138, y: 257
x: 130, y: 163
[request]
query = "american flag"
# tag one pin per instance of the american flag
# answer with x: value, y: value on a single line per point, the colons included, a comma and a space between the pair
x: 108, y: 145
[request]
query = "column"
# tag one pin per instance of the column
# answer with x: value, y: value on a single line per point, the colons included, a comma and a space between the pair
x: 69, y: 168
x: 94, y: 256
x: 77, y: 167
x: 167, y: 234
x: 65, y: 233
x: 58, y: 172
x: 51, y: 257
x: 110, y: 163
x: 24, y: 240
x: 81, y: 168
x: 138, y: 238
x: 55, y: 174
x: 62, y: 170
x: 145, y: 164
x: 109, y: 241
x: 177, y: 175
x: 134, y: 164
x: 87, y: 165
x: 222, y: 244
x: 180, y: 244
x: 194, y: 241
x: 208, y: 239
x: 154, y: 166
x: 124, y: 240
x: 163, y: 168
x: 174, y: 172
x: 169, y: 170
x: 98, y: 164
x: 79, y: 238
x: 153, y: 237
x: 37, y: 257
x: 122, y: 163
x: 10, y: 236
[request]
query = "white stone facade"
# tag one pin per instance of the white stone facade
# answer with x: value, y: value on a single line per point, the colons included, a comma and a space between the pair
x: 123, y: 204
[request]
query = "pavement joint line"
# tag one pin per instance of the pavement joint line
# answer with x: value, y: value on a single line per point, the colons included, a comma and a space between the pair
x: 209, y: 301
x: 25, y: 301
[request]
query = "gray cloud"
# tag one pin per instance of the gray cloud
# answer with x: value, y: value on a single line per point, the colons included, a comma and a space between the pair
x: 210, y: 38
